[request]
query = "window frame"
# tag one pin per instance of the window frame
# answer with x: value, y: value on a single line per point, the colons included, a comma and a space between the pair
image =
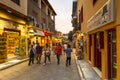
x: 16, y: 2
x: 94, y: 2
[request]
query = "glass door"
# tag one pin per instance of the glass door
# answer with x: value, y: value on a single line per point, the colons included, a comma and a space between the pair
x: 112, y: 58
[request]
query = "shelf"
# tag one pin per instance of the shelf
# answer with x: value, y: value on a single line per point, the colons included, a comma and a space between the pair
x: 115, y: 65
x: 3, y: 48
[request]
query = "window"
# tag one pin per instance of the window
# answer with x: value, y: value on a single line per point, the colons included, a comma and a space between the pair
x: 35, y: 1
x: 81, y: 15
x: 90, y: 44
x: 16, y: 1
x: 94, y: 1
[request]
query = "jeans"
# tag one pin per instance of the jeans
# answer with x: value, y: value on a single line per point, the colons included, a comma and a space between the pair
x: 68, y: 60
x: 31, y: 59
x: 47, y: 56
x: 58, y: 59
x: 38, y: 58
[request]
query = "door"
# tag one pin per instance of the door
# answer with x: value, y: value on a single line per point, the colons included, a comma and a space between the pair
x: 112, y: 58
x: 97, y: 51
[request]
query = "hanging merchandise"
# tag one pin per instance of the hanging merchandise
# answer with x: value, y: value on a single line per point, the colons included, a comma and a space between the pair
x: 3, y: 51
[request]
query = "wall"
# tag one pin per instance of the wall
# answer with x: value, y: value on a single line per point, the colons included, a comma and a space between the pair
x: 22, y: 8
x: 88, y: 11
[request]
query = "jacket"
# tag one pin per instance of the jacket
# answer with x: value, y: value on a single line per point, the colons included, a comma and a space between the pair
x: 58, y: 50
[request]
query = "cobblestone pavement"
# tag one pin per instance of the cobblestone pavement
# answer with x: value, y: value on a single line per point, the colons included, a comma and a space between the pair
x: 50, y: 71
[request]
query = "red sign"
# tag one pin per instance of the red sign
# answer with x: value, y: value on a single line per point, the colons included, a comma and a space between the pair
x: 46, y: 33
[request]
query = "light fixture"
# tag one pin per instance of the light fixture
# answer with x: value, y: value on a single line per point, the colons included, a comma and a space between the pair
x: 9, y: 11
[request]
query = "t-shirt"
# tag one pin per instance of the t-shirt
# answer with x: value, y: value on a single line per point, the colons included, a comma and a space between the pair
x: 58, y: 50
x: 68, y: 52
x: 38, y: 49
x: 47, y: 51
x: 31, y: 51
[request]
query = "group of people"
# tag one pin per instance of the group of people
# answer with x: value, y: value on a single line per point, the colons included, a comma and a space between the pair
x: 36, y: 51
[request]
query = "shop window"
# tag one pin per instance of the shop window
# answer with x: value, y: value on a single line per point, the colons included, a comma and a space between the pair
x: 81, y: 15
x: 16, y: 1
x: 35, y: 1
x: 90, y: 44
x: 90, y: 39
x: 101, y: 40
x: 112, y: 57
x: 94, y: 1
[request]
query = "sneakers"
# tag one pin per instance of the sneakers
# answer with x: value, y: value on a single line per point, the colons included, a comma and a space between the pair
x: 44, y: 64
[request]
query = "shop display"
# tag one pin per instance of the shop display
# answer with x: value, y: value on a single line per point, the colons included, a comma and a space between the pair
x: 3, y: 51
x: 22, y: 46
x: 12, y: 43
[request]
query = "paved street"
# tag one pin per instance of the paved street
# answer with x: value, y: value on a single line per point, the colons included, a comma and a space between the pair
x: 39, y: 72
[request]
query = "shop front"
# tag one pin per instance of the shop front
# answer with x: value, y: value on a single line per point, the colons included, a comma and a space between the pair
x: 48, y: 38
x: 36, y: 36
x: 12, y: 36
x: 13, y: 43
x: 102, y: 41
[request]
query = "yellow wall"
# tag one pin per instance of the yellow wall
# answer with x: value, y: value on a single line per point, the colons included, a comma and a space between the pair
x: 88, y: 11
x: 10, y: 17
x: 118, y: 52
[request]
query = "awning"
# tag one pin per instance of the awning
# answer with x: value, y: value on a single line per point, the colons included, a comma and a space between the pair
x: 36, y: 32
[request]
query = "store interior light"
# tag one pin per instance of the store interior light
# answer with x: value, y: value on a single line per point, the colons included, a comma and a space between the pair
x: 43, y: 41
x: 31, y: 31
x: 82, y: 34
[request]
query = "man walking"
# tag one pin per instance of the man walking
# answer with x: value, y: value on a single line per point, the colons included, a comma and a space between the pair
x: 68, y: 55
x: 38, y: 53
x: 31, y: 55
x: 58, y: 50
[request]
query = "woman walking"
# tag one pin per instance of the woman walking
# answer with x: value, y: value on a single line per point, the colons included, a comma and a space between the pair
x: 47, y: 54
x: 68, y: 55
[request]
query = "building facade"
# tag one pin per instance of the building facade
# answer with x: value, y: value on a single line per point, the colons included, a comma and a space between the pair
x: 23, y: 22
x: 41, y: 22
x: 13, y: 17
x: 100, y: 24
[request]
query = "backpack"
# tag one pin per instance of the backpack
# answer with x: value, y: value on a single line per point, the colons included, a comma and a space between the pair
x: 31, y: 52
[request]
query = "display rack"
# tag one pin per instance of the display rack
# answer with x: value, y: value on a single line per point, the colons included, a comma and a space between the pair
x: 3, y: 49
x: 12, y: 42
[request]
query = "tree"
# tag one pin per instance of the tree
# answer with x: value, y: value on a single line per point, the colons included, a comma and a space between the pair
x: 70, y: 34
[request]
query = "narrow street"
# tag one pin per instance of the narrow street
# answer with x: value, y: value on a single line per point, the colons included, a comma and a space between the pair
x: 50, y: 71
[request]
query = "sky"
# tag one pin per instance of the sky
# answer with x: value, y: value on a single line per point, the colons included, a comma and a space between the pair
x: 63, y: 8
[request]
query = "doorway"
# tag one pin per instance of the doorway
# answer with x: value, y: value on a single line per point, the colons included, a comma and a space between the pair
x: 112, y: 58
x: 98, y: 45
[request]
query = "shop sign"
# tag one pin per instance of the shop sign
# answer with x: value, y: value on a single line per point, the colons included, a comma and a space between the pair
x: 10, y: 25
x: 105, y: 15
x: 46, y: 33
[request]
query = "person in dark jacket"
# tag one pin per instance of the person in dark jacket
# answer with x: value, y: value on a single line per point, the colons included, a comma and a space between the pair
x: 68, y: 55
x: 38, y: 53
x: 31, y: 55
